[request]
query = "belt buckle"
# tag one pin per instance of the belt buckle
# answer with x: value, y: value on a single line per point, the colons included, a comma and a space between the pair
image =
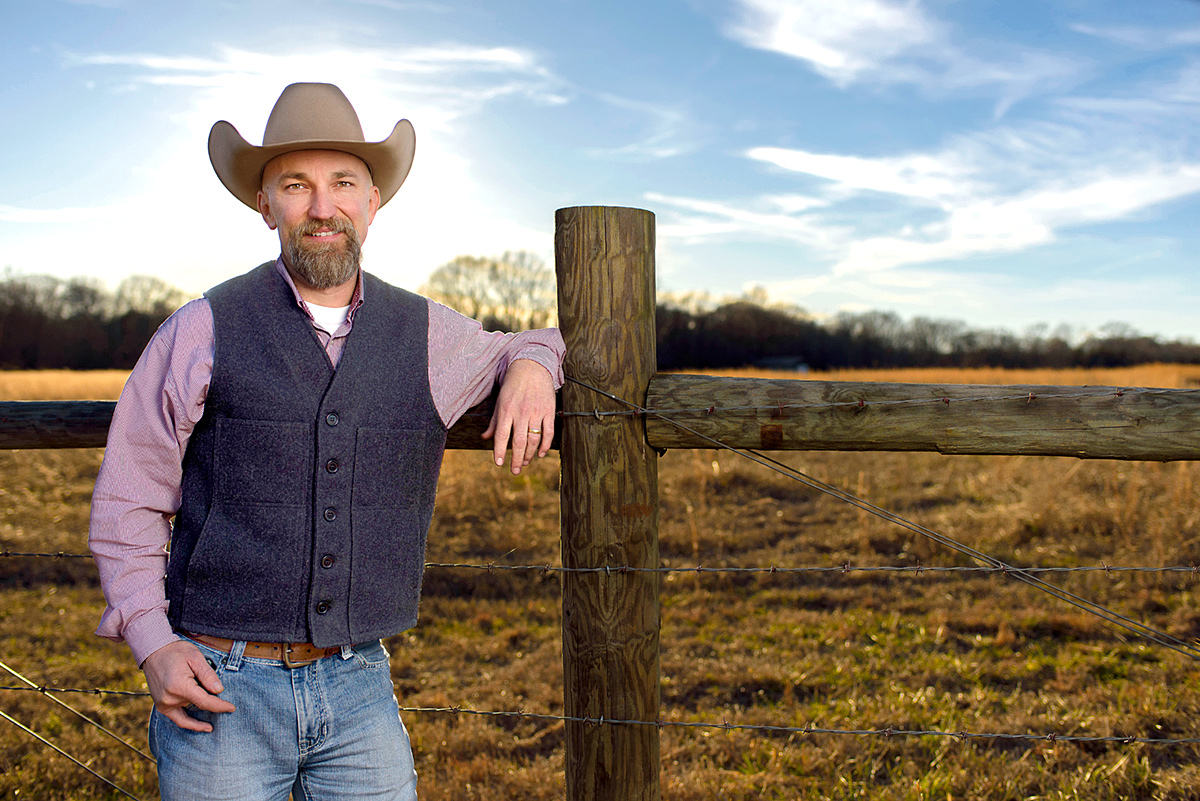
x: 287, y: 657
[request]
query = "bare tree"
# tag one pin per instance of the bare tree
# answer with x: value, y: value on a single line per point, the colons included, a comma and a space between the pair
x: 513, y: 292
x: 150, y: 295
x: 525, y: 290
x: 85, y: 297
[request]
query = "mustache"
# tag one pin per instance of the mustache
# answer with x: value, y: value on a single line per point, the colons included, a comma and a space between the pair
x: 335, y: 225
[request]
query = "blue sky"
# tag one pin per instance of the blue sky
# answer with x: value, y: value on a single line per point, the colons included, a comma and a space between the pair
x: 1003, y: 163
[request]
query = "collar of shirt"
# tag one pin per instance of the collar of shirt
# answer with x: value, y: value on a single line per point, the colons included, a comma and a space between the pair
x: 356, y: 299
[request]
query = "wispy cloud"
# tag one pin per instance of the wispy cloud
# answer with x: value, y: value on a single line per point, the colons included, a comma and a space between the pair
x: 1009, y: 224
x: 457, y: 79
x: 1160, y: 105
x: 977, y: 211
x: 920, y: 176
x: 888, y: 42
x: 667, y: 131
x: 844, y: 40
x: 1145, y: 38
x: 774, y: 217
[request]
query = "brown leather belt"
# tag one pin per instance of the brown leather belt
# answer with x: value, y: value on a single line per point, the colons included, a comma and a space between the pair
x: 291, y: 654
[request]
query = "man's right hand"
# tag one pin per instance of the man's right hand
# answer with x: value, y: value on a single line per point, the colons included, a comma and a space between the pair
x: 179, y: 675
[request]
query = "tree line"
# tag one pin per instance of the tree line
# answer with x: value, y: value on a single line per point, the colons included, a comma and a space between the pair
x: 747, y: 333
x: 50, y: 322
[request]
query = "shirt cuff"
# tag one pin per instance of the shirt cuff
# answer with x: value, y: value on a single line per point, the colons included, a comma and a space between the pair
x: 147, y: 633
x: 546, y: 358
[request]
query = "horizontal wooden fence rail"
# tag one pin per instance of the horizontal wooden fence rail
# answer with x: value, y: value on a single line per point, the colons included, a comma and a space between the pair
x: 55, y: 424
x: 84, y: 424
x: 690, y: 411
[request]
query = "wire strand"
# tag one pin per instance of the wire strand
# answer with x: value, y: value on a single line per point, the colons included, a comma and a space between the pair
x: 756, y: 727
x: 846, y: 567
x: 809, y: 729
x: 61, y: 752
x: 77, y: 713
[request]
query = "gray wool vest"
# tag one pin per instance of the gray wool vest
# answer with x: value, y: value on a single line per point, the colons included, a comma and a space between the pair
x: 307, y: 492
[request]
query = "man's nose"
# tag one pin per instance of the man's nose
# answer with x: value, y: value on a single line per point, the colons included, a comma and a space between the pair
x: 322, y: 206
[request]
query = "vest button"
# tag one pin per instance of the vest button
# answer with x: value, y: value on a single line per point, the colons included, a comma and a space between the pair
x: 323, y: 607
x: 331, y: 418
x: 330, y: 514
x: 327, y: 561
x: 332, y: 465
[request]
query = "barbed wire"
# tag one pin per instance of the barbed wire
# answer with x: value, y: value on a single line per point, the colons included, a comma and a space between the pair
x: 1193, y: 570
x: 1176, y: 644
x: 777, y: 409
x: 56, y: 555
x: 843, y: 568
x: 807, y: 729
x: 810, y: 729
x: 93, y: 691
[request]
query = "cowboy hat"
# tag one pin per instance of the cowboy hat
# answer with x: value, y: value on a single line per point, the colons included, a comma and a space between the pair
x: 309, y: 116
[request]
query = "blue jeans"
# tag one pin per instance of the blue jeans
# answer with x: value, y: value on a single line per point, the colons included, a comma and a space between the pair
x: 328, y: 730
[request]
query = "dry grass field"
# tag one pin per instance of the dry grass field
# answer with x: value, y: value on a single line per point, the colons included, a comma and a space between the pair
x: 849, y: 651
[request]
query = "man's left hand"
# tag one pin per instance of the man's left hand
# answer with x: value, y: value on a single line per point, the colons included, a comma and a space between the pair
x: 524, y: 410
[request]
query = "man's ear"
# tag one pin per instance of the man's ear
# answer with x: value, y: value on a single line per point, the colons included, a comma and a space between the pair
x: 264, y: 208
x: 373, y: 204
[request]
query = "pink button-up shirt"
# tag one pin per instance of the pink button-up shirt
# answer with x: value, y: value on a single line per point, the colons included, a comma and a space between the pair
x: 138, y: 489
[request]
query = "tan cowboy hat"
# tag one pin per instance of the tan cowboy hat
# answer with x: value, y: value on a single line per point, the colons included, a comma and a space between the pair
x: 309, y: 116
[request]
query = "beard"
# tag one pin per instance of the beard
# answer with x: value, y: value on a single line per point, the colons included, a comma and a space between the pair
x: 320, y: 265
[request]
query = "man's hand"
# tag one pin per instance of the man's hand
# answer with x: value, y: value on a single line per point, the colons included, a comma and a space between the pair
x: 524, y: 409
x: 178, y: 675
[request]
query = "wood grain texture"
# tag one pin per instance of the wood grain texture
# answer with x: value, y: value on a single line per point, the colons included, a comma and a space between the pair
x: 605, y: 265
x: 55, y: 424
x: 1106, y: 423
x: 1085, y: 422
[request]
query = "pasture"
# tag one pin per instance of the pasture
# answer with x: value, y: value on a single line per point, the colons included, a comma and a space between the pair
x: 845, y: 650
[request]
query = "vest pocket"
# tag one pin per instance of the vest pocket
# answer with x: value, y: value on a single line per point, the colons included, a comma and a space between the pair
x: 249, y: 570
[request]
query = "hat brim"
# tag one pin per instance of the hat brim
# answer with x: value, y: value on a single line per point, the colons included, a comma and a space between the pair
x: 240, y: 164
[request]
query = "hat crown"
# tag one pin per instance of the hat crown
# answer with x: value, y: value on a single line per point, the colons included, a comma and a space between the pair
x: 312, y: 112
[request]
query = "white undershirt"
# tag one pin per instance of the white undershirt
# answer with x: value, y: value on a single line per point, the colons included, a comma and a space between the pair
x: 329, y: 318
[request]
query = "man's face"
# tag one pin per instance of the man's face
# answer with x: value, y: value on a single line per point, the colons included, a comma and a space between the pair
x: 321, y: 202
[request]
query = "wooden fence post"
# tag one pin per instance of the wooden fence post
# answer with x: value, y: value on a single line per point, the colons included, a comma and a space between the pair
x: 605, y: 264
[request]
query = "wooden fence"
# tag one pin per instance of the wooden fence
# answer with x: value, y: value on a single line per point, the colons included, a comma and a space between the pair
x: 619, y: 413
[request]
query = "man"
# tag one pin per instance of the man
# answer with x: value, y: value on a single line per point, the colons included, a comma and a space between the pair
x: 292, y: 422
